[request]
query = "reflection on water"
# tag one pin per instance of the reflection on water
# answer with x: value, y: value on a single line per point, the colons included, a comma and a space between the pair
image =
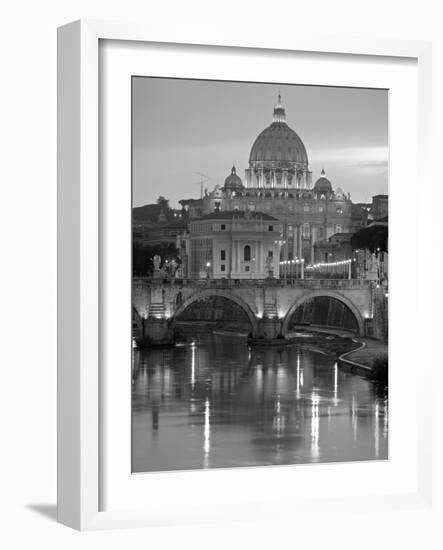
x: 216, y: 403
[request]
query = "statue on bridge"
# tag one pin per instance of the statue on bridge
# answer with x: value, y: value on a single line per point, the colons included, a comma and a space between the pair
x: 157, y: 271
x: 270, y: 267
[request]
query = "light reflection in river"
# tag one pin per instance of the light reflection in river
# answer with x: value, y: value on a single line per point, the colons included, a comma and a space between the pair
x: 217, y: 403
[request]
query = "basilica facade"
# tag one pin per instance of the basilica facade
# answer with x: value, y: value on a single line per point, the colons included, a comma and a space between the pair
x: 278, y: 182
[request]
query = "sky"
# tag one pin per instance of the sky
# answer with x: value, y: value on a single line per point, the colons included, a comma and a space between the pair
x: 185, y: 128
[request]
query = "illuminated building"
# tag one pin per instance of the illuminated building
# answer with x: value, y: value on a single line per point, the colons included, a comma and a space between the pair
x: 234, y: 244
x: 278, y: 182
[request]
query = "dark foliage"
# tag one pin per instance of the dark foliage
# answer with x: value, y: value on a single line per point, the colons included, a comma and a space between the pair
x: 162, y: 201
x: 371, y: 238
x: 151, y: 212
x: 380, y: 365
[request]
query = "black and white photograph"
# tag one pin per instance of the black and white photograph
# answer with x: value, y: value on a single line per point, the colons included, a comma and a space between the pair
x: 260, y: 277
x: 223, y: 343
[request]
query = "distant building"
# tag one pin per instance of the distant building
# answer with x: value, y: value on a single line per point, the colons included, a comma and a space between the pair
x: 379, y: 207
x: 371, y: 266
x: 192, y: 208
x: 234, y: 244
x: 335, y: 249
x: 278, y: 182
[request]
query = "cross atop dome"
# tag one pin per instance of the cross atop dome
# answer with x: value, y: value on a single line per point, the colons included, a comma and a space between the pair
x: 279, y: 111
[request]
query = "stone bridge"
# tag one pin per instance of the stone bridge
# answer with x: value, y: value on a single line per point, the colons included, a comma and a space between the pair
x: 269, y: 304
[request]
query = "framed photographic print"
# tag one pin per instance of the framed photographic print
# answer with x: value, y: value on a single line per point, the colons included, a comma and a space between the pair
x: 229, y: 296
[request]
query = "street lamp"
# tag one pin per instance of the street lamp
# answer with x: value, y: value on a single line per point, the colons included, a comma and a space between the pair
x: 208, y: 268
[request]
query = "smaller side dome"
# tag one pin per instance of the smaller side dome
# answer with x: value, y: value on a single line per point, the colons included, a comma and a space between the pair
x: 233, y: 182
x: 323, y: 185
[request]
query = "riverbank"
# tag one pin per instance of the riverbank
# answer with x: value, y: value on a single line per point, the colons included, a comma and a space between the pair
x: 352, y: 351
x: 365, y: 355
x: 323, y: 340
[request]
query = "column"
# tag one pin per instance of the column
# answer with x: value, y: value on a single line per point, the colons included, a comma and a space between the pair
x: 262, y: 262
x: 312, y: 228
x: 299, y: 240
x: 234, y: 251
x: 231, y: 259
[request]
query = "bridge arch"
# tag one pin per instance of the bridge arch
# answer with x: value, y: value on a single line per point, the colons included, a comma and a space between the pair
x: 202, y: 294
x: 331, y: 294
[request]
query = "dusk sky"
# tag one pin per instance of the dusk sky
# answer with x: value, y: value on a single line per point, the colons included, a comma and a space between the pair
x: 185, y: 127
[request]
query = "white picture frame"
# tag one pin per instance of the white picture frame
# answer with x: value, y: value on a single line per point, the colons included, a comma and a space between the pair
x: 80, y: 262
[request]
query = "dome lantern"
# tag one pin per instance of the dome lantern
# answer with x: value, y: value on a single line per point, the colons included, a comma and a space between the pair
x: 279, y: 111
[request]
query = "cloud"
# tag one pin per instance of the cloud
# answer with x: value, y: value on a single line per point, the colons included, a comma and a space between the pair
x: 351, y: 156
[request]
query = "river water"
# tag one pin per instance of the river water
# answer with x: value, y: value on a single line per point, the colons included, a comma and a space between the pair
x: 215, y: 402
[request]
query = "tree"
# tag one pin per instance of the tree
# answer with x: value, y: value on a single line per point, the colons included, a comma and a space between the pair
x: 162, y: 201
x: 373, y: 238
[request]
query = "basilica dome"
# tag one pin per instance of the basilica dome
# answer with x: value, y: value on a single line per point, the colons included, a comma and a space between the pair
x: 278, y: 144
x: 323, y: 185
x: 233, y: 182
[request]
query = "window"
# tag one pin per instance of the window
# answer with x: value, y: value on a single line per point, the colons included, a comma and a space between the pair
x: 222, y: 254
x: 246, y: 268
x: 247, y: 253
x: 338, y: 228
x: 339, y: 210
x: 306, y: 208
x: 270, y: 228
x: 223, y: 267
x: 306, y: 231
x: 223, y: 227
x: 270, y: 253
x: 320, y: 208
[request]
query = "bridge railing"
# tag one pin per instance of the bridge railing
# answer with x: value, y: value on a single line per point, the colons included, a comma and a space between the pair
x: 242, y: 283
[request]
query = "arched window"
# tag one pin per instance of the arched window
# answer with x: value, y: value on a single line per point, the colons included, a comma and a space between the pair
x: 247, y: 253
